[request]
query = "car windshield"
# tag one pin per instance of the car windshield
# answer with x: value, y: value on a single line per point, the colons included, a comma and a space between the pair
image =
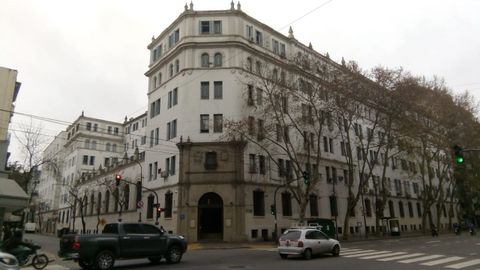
x: 292, y: 235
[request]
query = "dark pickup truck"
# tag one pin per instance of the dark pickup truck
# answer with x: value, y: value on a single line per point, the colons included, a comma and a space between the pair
x: 122, y: 241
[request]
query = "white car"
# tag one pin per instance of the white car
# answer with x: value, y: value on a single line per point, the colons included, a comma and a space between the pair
x: 306, y: 242
x: 8, y: 262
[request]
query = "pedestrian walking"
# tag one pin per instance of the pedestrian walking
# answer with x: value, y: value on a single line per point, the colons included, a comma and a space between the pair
x: 434, y: 231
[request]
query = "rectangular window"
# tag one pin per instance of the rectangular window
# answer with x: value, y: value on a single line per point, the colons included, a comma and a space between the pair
x: 261, y: 129
x: 152, y: 109
x: 172, y: 165
x: 204, y: 90
x: 115, y: 131
x: 281, y: 167
x: 150, y: 172
x: 252, y: 166
x: 92, y: 160
x: 204, y: 123
x: 85, y: 160
x: 89, y: 126
x: 152, y: 134
x: 325, y: 144
x: 258, y: 37
x: 275, y: 47
x: 251, y: 125
x: 175, y: 97
x: 286, y: 204
x: 169, y: 103
x: 157, y: 136
x: 106, y: 162
x: 261, y: 164
x: 279, y: 132
x: 249, y: 32
x: 313, y: 199
x: 204, y: 27
x: 218, y: 123
x: 169, y: 135
x: 167, y: 165
x: 173, y: 133
x: 258, y: 203
x: 330, y: 145
x: 150, y: 207
x: 157, y: 107
x: 259, y: 96
x: 218, y: 90
x: 217, y: 27
x: 168, y: 204
x: 250, y: 94
x: 155, y: 170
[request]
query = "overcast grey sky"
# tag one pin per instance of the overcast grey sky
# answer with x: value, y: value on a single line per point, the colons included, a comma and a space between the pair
x: 90, y: 55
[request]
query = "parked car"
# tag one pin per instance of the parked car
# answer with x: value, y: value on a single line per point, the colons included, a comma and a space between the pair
x: 306, y: 242
x: 30, y: 227
x: 8, y: 262
x: 122, y: 241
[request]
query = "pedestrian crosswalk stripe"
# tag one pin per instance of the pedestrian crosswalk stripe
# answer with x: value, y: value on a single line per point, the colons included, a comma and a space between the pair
x: 444, y: 260
x: 464, y: 264
x: 356, y: 252
x: 350, y: 249
x: 49, y: 267
x: 365, y: 254
x: 425, y: 258
x: 382, y: 255
x: 401, y: 257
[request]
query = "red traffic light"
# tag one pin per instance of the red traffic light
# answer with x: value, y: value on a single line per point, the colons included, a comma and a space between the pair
x: 118, y: 178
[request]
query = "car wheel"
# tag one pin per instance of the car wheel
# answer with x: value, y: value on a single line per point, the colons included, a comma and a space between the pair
x: 104, y: 260
x: 174, y: 254
x: 155, y: 260
x: 283, y: 256
x: 307, y: 254
x: 84, y: 264
x: 336, y: 251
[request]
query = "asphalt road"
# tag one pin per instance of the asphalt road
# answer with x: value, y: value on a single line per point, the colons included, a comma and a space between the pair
x: 419, y: 253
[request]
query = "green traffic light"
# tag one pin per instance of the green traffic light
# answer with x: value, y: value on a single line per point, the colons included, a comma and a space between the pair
x: 459, y: 159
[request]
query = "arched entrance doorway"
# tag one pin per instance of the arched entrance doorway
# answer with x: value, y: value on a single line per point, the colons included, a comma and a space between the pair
x: 210, y: 217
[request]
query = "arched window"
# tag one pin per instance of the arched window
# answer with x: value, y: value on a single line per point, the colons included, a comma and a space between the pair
x: 205, y: 60
x: 249, y: 64
x: 87, y: 144
x: 94, y: 145
x: 171, y: 70
x: 107, y: 147
x: 217, y: 60
x: 177, y: 66
x: 107, y: 201
x: 126, y: 197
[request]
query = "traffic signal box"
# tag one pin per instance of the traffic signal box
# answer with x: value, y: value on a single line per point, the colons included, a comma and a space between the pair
x: 459, y: 159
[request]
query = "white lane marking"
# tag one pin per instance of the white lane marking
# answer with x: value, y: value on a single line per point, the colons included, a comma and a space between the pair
x: 382, y: 255
x: 436, y: 241
x: 425, y: 258
x: 464, y: 264
x: 401, y: 257
x: 441, y: 261
x: 365, y: 254
x: 350, y: 249
x: 356, y: 252
x: 49, y: 267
